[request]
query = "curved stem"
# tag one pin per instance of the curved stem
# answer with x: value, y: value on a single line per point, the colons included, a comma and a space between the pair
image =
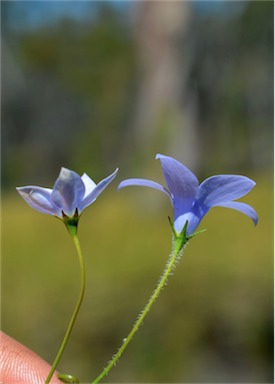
x: 76, y: 310
x: 178, y: 245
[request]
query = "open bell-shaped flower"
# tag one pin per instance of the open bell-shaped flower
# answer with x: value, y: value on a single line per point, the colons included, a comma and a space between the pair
x: 70, y: 195
x: 191, y: 201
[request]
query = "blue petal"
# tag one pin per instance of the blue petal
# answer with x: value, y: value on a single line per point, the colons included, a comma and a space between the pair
x: 143, y: 183
x: 182, y: 183
x: 97, y: 191
x: 194, y: 217
x: 223, y: 188
x: 193, y: 223
x: 68, y: 191
x: 89, y: 184
x: 242, y: 207
x: 40, y: 199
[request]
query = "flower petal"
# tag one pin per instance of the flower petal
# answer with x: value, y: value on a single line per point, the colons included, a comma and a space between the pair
x: 40, y: 199
x: 182, y: 183
x: 89, y: 184
x: 223, y: 188
x: 242, y: 207
x: 143, y: 183
x: 97, y: 191
x: 193, y: 223
x: 68, y: 191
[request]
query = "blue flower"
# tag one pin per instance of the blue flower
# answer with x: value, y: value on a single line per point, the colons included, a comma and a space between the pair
x: 191, y: 201
x: 70, y: 195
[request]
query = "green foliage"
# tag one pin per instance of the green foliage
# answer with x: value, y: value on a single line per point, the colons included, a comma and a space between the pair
x: 95, y: 63
x: 72, y: 91
x: 212, y: 323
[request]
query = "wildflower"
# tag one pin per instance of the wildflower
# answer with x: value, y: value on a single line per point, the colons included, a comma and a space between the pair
x: 70, y: 195
x: 191, y: 201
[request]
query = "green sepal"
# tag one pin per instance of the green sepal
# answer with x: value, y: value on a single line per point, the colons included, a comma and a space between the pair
x: 172, y: 227
x: 71, y: 222
x: 196, y: 233
x: 182, y: 238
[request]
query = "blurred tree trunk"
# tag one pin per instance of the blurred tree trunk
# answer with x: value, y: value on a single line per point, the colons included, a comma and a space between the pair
x: 165, y: 115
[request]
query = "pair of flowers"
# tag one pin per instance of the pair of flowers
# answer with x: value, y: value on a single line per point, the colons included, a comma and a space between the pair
x: 191, y: 201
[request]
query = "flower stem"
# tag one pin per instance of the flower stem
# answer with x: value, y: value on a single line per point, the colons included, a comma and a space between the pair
x: 177, y: 250
x: 76, y: 310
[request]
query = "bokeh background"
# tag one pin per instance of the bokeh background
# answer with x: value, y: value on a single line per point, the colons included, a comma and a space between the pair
x: 94, y: 85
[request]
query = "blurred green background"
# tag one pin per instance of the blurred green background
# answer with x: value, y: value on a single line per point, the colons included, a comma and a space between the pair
x: 94, y: 85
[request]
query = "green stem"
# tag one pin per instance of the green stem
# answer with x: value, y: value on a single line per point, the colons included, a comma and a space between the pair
x: 76, y: 310
x: 178, y: 245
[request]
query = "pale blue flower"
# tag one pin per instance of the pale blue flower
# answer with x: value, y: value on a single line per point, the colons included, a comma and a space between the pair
x: 191, y: 201
x: 70, y: 195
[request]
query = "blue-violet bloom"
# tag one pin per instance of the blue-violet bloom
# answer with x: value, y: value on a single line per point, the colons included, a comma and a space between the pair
x: 191, y: 201
x: 70, y: 195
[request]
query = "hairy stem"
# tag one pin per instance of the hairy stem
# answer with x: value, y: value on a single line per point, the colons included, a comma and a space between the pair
x: 178, y: 245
